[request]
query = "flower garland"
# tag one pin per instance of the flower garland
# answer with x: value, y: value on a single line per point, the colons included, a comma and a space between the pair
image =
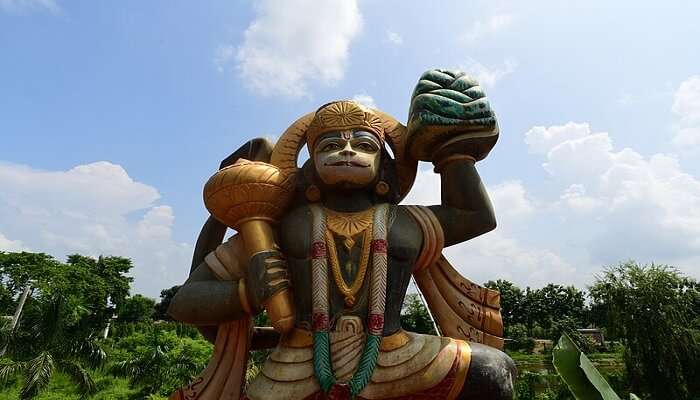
x: 320, y: 304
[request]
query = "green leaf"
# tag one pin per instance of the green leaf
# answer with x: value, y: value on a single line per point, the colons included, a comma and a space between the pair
x: 597, y: 379
x: 579, y: 374
x: 38, y: 374
x: 633, y: 396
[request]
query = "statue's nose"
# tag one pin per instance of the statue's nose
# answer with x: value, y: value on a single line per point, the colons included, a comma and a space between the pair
x: 347, y: 151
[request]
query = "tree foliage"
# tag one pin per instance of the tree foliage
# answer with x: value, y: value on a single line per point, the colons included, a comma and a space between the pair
x: 158, y: 361
x: 137, y: 308
x: 161, y: 309
x: 654, y: 310
x: 99, y: 285
x: 547, y: 308
x: 415, y: 317
x: 48, y: 342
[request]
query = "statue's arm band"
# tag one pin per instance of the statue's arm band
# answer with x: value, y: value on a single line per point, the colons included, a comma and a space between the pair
x: 433, y: 236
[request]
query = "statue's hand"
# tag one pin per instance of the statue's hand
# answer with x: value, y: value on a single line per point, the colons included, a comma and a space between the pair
x: 450, y: 115
x: 267, y: 275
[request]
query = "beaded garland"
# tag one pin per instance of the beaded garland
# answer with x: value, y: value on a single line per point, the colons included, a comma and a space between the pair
x: 323, y: 368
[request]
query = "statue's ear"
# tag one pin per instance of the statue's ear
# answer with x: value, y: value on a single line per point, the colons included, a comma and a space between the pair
x: 258, y: 149
x: 388, y: 174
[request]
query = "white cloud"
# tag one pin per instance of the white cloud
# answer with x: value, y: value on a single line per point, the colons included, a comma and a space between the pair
x: 686, y: 105
x: 93, y: 209
x: 293, y: 43
x: 29, y: 6
x: 365, y: 100
x: 481, y: 28
x: 498, y: 255
x: 646, y: 208
x: 11, y: 245
x: 511, y: 200
x: 488, y: 76
x: 541, y: 139
x: 394, y: 38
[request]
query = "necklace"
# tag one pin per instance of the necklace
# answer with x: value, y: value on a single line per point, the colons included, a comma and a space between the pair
x: 347, y: 226
x: 323, y: 368
x: 348, y: 291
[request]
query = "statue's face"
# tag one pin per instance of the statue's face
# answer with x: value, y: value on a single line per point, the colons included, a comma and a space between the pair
x: 349, y: 159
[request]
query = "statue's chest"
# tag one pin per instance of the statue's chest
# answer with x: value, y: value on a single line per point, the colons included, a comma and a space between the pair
x: 350, y: 266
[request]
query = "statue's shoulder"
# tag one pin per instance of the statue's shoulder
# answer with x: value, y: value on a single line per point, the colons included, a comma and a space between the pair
x: 404, y: 227
x: 295, y: 231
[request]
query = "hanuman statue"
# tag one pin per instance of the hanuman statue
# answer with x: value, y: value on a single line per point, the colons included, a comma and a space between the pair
x: 327, y: 251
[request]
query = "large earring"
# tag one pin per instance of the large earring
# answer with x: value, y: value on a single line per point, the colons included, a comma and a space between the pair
x: 313, y: 194
x: 382, y: 188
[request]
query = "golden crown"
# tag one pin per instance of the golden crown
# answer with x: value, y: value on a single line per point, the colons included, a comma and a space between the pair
x: 343, y: 115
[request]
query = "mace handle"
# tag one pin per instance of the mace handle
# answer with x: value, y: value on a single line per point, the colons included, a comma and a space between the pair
x: 258, y: 236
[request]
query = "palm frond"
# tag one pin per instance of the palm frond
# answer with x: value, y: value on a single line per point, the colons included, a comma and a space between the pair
x: 7, y: 371
x: 5, y: 331
x: 131, y: 368
x: 80, y: 376
x: 38, y: 375
x: 88, y: 352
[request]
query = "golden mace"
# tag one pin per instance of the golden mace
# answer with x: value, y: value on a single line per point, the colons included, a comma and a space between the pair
x: 250, y: 196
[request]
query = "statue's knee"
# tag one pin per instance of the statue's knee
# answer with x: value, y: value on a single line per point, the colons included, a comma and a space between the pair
x: 491, y: 375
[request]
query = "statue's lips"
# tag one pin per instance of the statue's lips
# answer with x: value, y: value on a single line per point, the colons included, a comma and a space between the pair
x: 347, y: 164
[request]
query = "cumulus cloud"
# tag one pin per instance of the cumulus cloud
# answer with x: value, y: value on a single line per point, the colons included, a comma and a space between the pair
x: 488, y: 76
x: 498, y: 255
x: 29, y: 6
x: 511, y: 200
x: 482, y: 28
x: 292, y: 44
x: 686, y: 106
x: 365, y: 100
x: 92, y: 209
x: 646, y: 208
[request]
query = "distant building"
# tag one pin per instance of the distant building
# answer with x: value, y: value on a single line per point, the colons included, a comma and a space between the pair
x: 594, y: 334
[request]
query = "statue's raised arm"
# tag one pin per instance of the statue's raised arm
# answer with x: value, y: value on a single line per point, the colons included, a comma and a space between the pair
x: 452, y: 125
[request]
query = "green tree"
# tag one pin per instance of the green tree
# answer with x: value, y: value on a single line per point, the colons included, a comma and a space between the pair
x: 653, y: 309
x: 48, y: 343
x: 18, y: 269
x: 166, y: 295
x: 556, y: 302
x: 136, y: 308
x: 99, y: 285
x: 158, y: 361
x: 415, y: 317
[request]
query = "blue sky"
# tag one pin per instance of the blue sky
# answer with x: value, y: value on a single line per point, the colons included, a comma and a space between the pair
x: 114, y: 114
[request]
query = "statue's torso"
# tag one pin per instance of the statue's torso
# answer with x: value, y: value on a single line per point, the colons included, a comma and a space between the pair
x: 404, y: 243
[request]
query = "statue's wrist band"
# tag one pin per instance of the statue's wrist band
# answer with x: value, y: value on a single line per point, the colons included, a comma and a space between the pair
x: 444, y: 162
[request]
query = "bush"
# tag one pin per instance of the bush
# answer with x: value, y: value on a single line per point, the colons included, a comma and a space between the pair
x: 519, y: 340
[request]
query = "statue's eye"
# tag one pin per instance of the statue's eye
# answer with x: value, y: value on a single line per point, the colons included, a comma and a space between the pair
x: 365, y: 146
x: 331, y: 146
